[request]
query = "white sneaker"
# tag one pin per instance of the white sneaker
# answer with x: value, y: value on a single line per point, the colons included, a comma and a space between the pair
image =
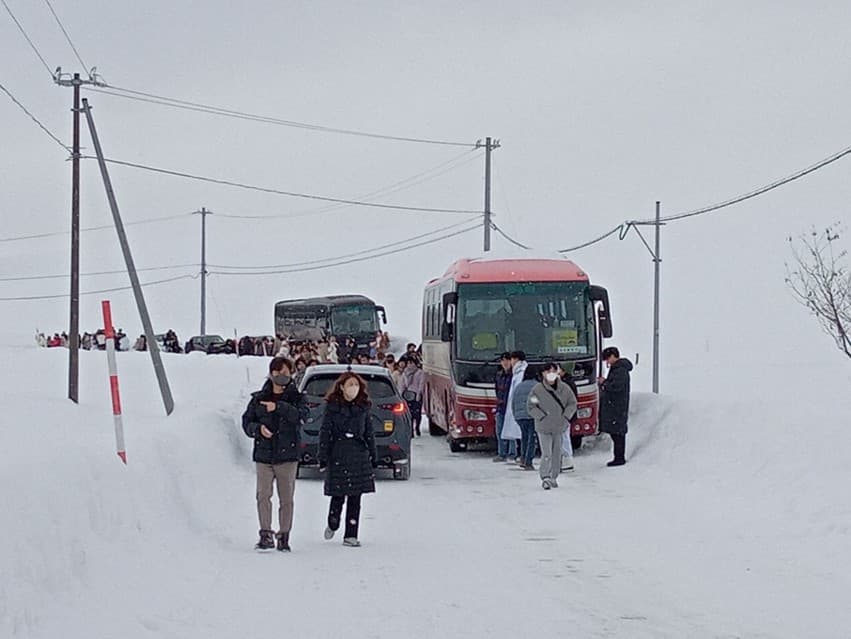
x: 329, y: 534
x: 351, y: 542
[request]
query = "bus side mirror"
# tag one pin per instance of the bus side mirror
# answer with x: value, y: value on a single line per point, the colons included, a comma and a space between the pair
x: 604, y: 314
x: 382, y: 313
x: 447, y: 329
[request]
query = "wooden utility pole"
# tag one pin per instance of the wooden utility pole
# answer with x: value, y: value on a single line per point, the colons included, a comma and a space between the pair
x: 203, y: 213
x: 75, y: 82
x: 489, y: 145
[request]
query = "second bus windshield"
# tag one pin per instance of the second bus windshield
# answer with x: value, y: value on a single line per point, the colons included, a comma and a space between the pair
x: 354, y: 320
x: 544, y: 319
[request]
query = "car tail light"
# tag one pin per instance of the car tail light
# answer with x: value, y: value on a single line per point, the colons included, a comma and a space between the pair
x: 398, y: 409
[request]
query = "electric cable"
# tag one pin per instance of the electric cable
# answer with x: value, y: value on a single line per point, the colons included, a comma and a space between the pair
x: 510, y: 239
x: 67, y: 37
x: 34, y: 119
x: 751, y: 194
x: 27, y: 278
x: 21, y: 29
x: 387, y: 190
x: 347, y: 255
x: 35, y: 236
x: 28, y: 298
x: 308, y: 196
x: 243, y: 115
x: 356, y: 260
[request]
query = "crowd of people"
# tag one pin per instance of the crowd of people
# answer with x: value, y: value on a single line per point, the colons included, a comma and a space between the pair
x: 537, y: 406
x: 88, y: 341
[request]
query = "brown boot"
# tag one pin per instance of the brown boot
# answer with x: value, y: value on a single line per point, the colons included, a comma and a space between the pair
x: 284, y: 542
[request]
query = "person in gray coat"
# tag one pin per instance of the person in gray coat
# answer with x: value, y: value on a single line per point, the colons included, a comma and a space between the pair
x: 551, y: 403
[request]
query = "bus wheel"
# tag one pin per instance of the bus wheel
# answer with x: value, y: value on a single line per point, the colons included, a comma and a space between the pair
x: 576, y: 442
x: 455, y: 446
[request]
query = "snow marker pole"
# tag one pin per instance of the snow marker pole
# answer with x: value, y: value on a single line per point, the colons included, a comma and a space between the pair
x: 113, y: 380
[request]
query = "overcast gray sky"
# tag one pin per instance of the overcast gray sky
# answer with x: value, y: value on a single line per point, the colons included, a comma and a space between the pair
x: 601, y: 109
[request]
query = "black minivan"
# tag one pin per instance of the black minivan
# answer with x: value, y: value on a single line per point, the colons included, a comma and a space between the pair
x: 391, y: 420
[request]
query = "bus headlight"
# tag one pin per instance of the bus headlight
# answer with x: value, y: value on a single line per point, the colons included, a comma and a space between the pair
x: 475, y: 415
x: 584, y: 413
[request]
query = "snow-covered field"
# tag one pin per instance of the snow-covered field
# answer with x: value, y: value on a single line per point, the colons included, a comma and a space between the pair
x: 731, y: 520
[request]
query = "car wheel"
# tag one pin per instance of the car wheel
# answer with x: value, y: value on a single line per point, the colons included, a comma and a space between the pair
x: 455, y: 446
x: 576, y: 442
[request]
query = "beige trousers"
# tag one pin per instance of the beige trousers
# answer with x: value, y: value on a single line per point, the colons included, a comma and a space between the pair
x: 284, y: 476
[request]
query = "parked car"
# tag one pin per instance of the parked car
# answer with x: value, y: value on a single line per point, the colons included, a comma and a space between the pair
x: 391, y: 420
x: 210, y: 344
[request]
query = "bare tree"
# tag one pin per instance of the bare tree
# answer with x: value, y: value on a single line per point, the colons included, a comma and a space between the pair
x: 819, y: 279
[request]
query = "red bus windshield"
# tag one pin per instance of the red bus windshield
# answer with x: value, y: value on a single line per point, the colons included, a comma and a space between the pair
x: 544, y: 319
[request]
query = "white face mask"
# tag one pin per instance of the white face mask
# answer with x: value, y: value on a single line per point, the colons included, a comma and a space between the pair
x: 551, y: 377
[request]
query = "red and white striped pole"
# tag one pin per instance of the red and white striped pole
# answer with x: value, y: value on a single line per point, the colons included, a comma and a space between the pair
x: 113, y: 380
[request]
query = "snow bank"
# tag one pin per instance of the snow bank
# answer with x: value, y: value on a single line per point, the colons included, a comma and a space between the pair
x: 730, y: 519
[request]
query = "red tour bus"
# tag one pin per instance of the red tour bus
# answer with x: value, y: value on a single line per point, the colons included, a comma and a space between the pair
x: 483, y: 307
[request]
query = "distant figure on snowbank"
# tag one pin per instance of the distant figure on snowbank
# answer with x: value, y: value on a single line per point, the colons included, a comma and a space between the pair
x: 614, y: 402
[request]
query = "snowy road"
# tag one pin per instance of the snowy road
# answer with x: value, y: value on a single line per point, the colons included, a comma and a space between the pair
x: 690, y: 539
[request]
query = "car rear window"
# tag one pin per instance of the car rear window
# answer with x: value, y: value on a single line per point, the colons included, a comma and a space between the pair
x: 377, y: 387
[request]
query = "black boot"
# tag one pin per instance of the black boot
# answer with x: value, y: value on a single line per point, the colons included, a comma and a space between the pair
x: 284, y: 542
x: 267, y: 540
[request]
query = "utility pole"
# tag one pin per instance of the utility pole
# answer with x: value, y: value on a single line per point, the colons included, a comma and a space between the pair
x: 657, y: 266
x: 153, y: 349
x: 75, y: 82
x: 656, y: 254
x: 203, y: 213
x: 489, y: 145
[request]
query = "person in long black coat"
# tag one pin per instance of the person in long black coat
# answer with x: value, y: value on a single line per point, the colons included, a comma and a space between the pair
x: 347, y: 453
x: 614, y: 402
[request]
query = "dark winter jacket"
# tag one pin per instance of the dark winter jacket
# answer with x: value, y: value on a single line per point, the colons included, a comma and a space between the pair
x: 284, y: 423
x: 614, y: 399
x: 347, y: 450
x: 503, y: 387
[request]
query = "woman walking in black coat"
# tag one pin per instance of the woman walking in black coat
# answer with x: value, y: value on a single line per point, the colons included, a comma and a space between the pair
x: 347, y: 453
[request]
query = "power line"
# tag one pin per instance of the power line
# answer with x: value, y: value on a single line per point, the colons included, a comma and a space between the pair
x: 387, y: 190
x: 35, y: 236
x: 105, y: 290
x: 764, y: 189
x: 510, y: 239
x: 620, y: 227
x: 67, y: 37
x: 26, y: 278
x: 339, y: 257
x: 24, y: 33
x: 243, y: 115
x: 476, y: 227
x: 35, y: 119
x: 261, y: 189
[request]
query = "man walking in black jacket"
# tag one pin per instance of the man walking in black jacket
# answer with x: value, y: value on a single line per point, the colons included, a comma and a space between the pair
x: 272, y: 418
x: 614, y: 402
